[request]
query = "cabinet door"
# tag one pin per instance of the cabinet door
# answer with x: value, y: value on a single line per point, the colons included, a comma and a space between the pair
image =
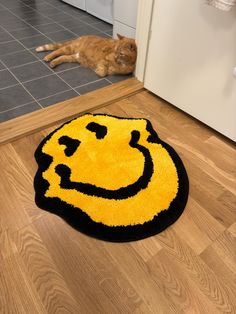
x: 103, y: 9
x: 191, y: 57
x: 126, y: 12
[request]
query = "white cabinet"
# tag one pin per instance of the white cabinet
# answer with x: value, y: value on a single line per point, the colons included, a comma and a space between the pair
x: 125, y: 15
x: 103, y: 9
x: 190, y: 62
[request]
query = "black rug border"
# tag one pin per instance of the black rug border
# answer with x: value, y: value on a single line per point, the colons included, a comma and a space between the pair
x: 82, y: 222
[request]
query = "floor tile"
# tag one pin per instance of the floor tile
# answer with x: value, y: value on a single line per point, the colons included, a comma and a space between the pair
x: 60, y: 17
x: 24, y: 15
x: 49, y: 28
x: 60, y: 5
x: 61, y: 36
x: 38, y: 19
x: 12, y: 23
x: 90, y: 19
x: 19, y: 111
x: 14, y: 96
x: 31, y: 71
x: 102, y: 26
x: 21, y: 10
x: 46, y: 86
x: 57, y: 98
x: 78, y: 13
x: 34, y: 15
x: 25, y: 32
x: 13, y: 4
x: 79, y: 76
x: 85, y: 30
x: 34, y: 41
x: 73, y: 23
x: 48, y: 10
x: 2, y: 8
x: 4, y: 36
x: 27, y: 21
x: 34, y: 4
x: 5, y: 16
x: 18, y: 58
x: 118, y: 78
x: 92, y: 86
x: 2, y: 67
x: 63, y: 67
x: 6, y: 79
x: 72, y: 10
x: 40, y: 54
x: 110, y: 33
x: 10, y: 47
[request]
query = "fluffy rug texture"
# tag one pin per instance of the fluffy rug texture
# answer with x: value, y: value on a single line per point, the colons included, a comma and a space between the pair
x: 109, y: 177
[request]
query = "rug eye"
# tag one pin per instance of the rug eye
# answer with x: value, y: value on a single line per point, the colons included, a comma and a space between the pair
x: 70, y: 143
x: 98, y: 129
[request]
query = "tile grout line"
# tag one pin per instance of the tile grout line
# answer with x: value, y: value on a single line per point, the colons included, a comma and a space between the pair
x: 89, y: 83
x: 28, y: 49
x: 38, y: 31
x: 4, y: 111
x: 54, y: 94
x: 12, y: 53
x: 16, y: 77
x: 23, y: 86
x: 51, y: 18
x: 53, y: 21
x: 36, y: 55
x: 37, y: 60
x: 108, y: 80
x: 40, y: 61
x: 66, y: 13
x: 28, y: 103
x: 64, y: 91
x: 9, y: 86
x: 14, y: 38
x: 7, y: 41
x: 17, y: 66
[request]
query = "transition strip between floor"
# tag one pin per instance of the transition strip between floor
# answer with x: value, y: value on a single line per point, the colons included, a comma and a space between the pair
x: 38, y: 120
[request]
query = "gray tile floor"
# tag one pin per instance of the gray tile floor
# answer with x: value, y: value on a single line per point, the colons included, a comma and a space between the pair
x: 26, y: 82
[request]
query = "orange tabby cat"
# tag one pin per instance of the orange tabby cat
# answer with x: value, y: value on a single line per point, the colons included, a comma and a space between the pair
x: 104, y: 55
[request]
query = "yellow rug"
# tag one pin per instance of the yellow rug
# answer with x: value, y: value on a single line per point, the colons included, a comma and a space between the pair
x: 110, y: 177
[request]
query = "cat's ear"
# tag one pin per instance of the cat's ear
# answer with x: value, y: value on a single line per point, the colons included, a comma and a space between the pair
x: 120, y: 36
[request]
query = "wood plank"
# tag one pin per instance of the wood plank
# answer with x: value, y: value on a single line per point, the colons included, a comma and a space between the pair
x: 15, y: 189
x: 32, y: 122
x: 47, y: 266
x: 18, y: 294
x: 87, y: 267
x: 204, y: 228
x: 42, y: 272
x: 193, y: 266
x: 178, y: 286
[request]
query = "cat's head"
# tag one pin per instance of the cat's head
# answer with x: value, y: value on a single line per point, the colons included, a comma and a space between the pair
x: 126, y: 50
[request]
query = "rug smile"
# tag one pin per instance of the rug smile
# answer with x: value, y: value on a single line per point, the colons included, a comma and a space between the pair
x: 124, y: 192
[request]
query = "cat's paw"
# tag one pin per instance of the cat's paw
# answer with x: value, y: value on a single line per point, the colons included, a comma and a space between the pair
x: 100, y: 71
x: 52, y: 65
x: 46, y: 58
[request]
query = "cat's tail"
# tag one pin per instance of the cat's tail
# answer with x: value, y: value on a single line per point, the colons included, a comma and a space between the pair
x: 53, y: 46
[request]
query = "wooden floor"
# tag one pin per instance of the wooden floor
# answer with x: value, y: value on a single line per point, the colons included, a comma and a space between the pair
x: 47, y: 267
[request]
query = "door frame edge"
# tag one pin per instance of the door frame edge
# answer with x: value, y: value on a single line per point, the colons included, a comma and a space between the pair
x: 142, y: 37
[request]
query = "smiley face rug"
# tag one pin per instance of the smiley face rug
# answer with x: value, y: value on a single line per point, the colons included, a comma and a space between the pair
x: 109, y: 177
